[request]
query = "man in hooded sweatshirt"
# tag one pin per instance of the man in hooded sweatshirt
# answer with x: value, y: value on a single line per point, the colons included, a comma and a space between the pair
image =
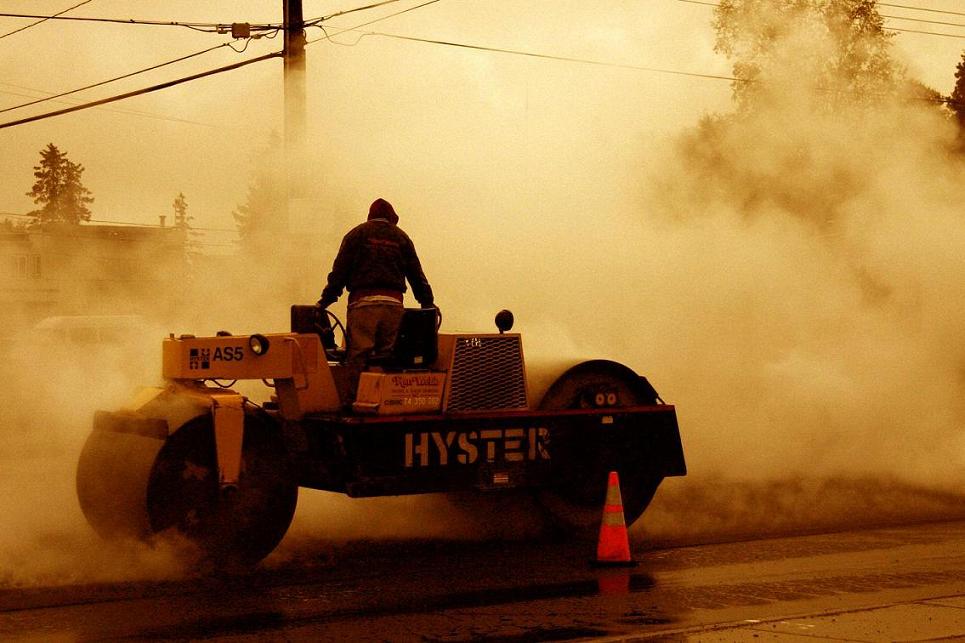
x: 373, y: 263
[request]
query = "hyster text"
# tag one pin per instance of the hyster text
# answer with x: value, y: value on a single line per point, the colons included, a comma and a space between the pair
x: 467, y: 447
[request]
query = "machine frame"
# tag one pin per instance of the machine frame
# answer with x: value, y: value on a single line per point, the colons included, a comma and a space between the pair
x: 461, y: 421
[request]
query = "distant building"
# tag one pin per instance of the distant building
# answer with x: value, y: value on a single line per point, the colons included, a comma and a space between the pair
x: 62, y: 269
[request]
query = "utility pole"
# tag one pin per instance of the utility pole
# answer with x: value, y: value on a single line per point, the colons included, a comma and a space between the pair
x: 295, y: 113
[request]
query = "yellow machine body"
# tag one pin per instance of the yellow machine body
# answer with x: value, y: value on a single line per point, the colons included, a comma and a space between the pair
x: 198, y: 457
x: 296, y: 362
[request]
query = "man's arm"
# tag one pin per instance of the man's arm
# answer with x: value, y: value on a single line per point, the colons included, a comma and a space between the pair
x: 417, y: 278
x: 338, y: 277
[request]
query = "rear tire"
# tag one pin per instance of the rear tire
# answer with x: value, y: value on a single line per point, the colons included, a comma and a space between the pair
x: 574, y: 499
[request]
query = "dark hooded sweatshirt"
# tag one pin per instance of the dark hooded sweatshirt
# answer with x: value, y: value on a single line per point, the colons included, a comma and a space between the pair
x: 376, y: 258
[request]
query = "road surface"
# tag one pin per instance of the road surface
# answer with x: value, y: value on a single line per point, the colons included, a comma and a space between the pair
x: 885, y: 584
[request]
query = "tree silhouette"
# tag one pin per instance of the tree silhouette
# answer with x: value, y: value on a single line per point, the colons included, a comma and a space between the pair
x: 181, y: 217
x: 182, y: 221
x: 816, y: 79
x: 58, y: 189
x: 957, y: 99
x: 834, y: 50
x: 260, y: 217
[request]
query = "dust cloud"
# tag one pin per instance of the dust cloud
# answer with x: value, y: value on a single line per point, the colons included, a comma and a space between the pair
x: 51, y: 388
x: 790, y: 276
x: 809, y: 290
x: 792, y: 279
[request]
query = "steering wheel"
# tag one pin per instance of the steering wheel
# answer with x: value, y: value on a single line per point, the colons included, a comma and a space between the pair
x: 335, y: 323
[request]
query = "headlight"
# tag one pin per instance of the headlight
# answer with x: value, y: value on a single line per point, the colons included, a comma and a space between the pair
x: 258, y: 344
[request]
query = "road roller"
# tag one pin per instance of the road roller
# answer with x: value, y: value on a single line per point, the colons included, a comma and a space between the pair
x: 443, y: 413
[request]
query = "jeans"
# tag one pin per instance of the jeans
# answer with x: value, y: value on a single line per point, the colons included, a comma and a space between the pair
x: 371, y: 329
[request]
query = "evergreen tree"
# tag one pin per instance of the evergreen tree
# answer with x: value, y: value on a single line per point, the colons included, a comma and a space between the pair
x: 181, y: 217
x: 259, y: 218
x: 58, y: 189
x: 957, y: 100
x: 182, y: 221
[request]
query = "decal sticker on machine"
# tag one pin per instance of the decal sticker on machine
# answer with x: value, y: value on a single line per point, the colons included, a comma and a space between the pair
x: 199, y: 358
x: 229, y: 354
x: 414, y: 391
x: 467, y: 447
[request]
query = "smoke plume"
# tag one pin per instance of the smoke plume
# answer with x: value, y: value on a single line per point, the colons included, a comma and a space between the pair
x: 789, y: 274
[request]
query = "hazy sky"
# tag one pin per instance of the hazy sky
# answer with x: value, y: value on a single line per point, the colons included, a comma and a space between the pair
x: 494, y: 116
x: 549, y: 188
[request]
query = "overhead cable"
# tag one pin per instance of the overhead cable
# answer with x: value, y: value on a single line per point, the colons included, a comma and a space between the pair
x: 586, y: 61
x: 912, y: 8
x: 208, y: 27
x: 927, y: 33
x: 44, y: 19
x: 531, y: 54
x: 116, y: 110
x: 315, y: 21
x: 145, y: 90
x: 931, y: 22
x: 896, y: 29
x: 880, y: 4
x: 318, y: 23
x: 116, y: 78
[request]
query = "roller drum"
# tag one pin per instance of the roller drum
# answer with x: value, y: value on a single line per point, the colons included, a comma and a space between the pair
x: 112, y: 476
x: 135, y: 486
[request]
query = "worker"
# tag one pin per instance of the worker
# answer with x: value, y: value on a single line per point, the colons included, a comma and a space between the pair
x: 373, y: 263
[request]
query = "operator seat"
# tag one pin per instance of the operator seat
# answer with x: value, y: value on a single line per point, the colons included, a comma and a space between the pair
x: 417, y: 343
x: 416, y: 346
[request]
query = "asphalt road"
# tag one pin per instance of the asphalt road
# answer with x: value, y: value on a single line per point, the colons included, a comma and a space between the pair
x: 886, y: 584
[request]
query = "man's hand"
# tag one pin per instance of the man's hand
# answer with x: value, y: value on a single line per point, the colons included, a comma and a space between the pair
x: 438, y: 313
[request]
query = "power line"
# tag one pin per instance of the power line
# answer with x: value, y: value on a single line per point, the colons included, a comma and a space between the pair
x: 880, y: 4
x: 207, y: 27
x: 897, y: 29
x: 530, y: 54
x: 318, y: 22
x: 34, y: 24
x: 328, y: 37
x: 111, y: 80
x: 675, y: 72
x: 927, y: 33
x: 314, y: 22
x: 116, y: 110
x: 931, y: 22
x: 905, y: 6
x: 144, y: 90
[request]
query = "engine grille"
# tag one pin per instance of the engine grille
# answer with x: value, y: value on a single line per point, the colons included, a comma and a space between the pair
x: 487, y: 374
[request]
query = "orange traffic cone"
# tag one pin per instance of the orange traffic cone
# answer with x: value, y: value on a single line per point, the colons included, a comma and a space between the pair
x: 613, y: 548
